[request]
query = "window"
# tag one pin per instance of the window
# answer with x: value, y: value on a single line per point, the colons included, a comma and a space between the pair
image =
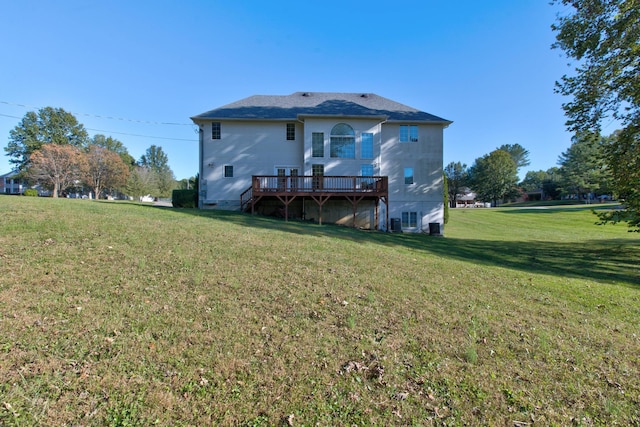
x: 366, y: 170
x: 291, y: 131
x: 408, y: 175
x: 215, y: 130
x: 366, y: 151
x: 228, y: 171
x: 409, y: 219
x: 408, y: 133
x: 343, y: 141
x: 317, y: 144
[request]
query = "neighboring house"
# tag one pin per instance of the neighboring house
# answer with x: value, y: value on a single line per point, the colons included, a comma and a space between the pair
x: 466, y: 200
x: 10, y: 184
x: 348, y: 158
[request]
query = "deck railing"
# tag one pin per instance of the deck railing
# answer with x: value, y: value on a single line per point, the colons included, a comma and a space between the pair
x: 319, y: 184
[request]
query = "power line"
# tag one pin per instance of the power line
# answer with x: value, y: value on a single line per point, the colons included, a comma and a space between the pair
x: 104, y: 117
x: 142, y: 136
x: 120, y: 133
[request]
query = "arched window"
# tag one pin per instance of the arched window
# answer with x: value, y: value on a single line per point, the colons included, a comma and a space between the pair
x: 343, y: 141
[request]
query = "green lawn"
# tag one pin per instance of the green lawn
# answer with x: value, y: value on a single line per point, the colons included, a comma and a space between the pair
x: 121, y: 314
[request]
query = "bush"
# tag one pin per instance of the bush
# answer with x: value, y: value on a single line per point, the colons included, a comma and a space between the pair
x: 185, y: 198
x: 31, y: 192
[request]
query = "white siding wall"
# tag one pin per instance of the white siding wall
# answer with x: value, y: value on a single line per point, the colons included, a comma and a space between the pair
x: 252, y: 148
x: 425, y: 157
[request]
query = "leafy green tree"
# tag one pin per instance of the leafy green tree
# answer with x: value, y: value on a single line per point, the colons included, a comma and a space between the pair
x: 141, y: 182
x: 188, y: 184
x: 582, y: 167
x: 603, y: 36
x: 551, y: 184
x: 546, y: 181
x: 534, y: 180
x: 158, y: 162
x: 494, y: 176
x: 48, y: 126
x: 445, y: 195
x: 457, y: 178
x: 114, y: 145
x: 518, y: 153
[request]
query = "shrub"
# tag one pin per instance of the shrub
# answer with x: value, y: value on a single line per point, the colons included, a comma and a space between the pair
x: 31, y: 192
x: 184, y: 198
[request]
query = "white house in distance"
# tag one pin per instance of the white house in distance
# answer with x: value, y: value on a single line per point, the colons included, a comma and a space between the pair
x: 356, y: 159
x: 11, y: 184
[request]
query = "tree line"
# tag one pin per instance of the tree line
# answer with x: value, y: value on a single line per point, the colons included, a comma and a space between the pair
x: 50, y: 148
x: 582, y: 173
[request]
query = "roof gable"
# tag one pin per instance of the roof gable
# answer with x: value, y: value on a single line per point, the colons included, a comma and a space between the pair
x: 300, y: 104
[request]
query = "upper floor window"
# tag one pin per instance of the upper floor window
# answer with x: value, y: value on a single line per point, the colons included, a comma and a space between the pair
x: 215, y: 130
x: 291, y: 131
x: 366, y: 150
x: 228, y: 171
x: 408, y: 133
x: 408, y: 176
x: 317, y: 144
x: 343, y: 141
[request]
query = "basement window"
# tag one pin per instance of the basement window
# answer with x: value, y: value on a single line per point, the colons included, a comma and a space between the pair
x: 409, y: 219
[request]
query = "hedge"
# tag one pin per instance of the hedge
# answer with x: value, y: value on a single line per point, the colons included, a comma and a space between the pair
x: 184, y: 199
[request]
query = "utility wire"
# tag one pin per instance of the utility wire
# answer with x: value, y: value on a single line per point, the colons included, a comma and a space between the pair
x: 120, y: 133
x: 143, y: 136
x: 104, y: 117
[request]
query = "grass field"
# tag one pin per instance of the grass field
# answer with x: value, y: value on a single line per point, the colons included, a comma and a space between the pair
x: 128, y: 315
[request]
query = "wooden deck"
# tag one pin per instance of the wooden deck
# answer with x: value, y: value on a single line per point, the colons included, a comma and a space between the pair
x: 319, y: 189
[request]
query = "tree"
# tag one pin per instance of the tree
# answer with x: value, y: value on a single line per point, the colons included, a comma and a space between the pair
x: 141, y: 182
x: 582, y: 167
x: 494, y: 176
x: 56, y: 166
x: 457, y: 176
x: 603, y: 37
x: 533, y: 180
x: 551, y: 184
x: 104, y: 169
x: 114, y: 145
x: 445, y: 195
x: 547, y: 181
x: 158, y: 162
x: 518, y: 153
x: 188, y: 184
x: 47, y: 126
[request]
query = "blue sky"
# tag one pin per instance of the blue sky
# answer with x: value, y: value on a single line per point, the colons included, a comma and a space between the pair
x: 485, y: 65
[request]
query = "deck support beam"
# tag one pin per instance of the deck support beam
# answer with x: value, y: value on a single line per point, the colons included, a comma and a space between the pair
x: 286, y: 199
x: 320, y: 200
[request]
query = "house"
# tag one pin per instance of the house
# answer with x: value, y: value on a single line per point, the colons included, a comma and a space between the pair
x: 356, y: 159
x: 11, y: 184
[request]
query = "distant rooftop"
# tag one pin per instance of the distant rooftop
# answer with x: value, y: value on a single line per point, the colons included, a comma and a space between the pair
x: 323, y: 104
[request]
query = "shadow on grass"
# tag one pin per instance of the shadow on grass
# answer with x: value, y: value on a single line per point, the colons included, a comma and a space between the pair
x: 608, y: 260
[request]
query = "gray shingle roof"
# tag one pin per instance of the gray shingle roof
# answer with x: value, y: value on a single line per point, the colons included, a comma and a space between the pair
x: 300, y: 104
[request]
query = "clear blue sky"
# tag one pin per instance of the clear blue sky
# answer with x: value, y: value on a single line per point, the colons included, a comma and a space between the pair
x: 485, y: 65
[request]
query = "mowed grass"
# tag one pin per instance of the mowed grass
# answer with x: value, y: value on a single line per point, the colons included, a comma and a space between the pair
x: 128, y: 315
